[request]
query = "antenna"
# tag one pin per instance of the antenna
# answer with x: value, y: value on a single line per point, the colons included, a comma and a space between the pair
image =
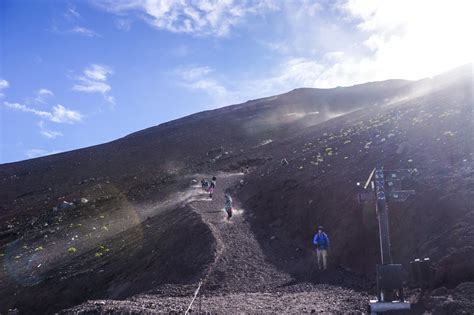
x: 369, y: 179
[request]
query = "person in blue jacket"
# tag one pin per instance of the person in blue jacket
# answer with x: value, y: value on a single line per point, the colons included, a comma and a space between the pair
x: 321, y: 240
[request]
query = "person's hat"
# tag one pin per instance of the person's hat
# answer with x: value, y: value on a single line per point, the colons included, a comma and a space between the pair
x: 320, y: 227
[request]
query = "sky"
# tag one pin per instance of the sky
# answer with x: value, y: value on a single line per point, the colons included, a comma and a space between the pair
x: 80, y: 73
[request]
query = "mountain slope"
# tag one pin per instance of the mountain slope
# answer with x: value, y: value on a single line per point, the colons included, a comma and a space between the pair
x: 139, y: 207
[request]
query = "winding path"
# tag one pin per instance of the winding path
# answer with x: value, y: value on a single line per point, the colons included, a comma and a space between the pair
x: 240, y: 279
x: 240, y: 265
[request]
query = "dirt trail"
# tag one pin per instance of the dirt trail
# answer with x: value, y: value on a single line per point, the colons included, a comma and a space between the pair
x: 240, y: 264
x: 240, y: 279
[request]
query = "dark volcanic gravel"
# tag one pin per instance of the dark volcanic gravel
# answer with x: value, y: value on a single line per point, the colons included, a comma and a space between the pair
x: 126, y: 225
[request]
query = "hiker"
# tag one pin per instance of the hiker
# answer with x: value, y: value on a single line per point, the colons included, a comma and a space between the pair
x: 205, y: 184
x: 228, y: 205
x: 212, y: 186
x: 321, y: 240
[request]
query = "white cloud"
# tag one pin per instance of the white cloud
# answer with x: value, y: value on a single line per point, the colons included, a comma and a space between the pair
x: 63, y: 115
x: 289, y: 74
x: 198, y: 78
x: 412, y: 39
x: 51, y: 134
x: 45, y: 92
x: 26, y: 109
x: 333, y: 69
x: 84, y: 31
x: 123, y: 24
x: 42, y: 95
x: 98, y: 72
x: 94, y: 80
x: 199, y: 17
x: 354, y: 41
x: 292, y: 73
x: 193, y: 73
x: 3, y: 86
x: 72, y: 13
x: 110, y: 99
x: 59, y: 113
x: 69, y: 24
x: 34, y: 153
x: 91, y: 86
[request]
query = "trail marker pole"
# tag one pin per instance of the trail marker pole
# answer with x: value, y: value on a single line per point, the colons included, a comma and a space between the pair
x: 382, y: 216
x: 385, y: 186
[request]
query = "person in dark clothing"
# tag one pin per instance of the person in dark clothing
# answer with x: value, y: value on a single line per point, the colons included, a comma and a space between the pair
x: 321, y: 240
x: 228, y: 206
x: 212, y: 186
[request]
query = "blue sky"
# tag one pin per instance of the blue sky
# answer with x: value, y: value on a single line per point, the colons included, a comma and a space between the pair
x: 80, y: 73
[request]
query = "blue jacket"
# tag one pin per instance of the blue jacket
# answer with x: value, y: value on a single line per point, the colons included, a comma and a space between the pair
x: 322, y: 241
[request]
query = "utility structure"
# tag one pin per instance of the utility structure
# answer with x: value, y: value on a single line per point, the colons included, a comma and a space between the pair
x: 381, y: 187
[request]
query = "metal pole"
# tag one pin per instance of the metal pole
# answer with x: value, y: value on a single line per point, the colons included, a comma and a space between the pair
x: 382, y: 215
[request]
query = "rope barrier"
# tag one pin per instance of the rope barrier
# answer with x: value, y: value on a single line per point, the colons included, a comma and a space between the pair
x: 194, y: 298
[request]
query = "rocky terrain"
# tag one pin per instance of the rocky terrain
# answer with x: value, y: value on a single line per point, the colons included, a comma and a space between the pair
x: 126, y: 226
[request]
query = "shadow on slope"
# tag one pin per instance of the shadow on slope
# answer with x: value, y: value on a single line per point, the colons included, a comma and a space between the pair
x: 173, y: 247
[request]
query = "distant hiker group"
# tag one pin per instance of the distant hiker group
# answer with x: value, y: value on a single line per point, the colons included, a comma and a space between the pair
x: 209, y: 186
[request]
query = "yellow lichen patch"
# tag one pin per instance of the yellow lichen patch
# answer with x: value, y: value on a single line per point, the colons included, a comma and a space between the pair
x: 72, y: 249
x: 39, y: 248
